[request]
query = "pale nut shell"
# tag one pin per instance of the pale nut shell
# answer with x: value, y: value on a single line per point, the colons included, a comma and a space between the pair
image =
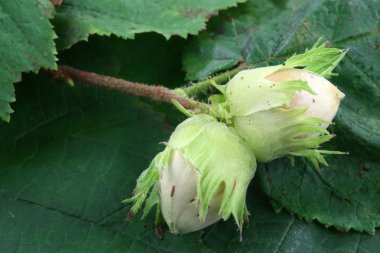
x: 323, y: 105
x: 178, y: 193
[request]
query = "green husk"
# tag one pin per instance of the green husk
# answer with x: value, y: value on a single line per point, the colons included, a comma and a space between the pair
x: 222, y: 159
x: 259, y: 108
x: 319, y: 59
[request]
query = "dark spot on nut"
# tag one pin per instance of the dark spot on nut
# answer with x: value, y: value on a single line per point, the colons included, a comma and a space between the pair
x: 173, y: 191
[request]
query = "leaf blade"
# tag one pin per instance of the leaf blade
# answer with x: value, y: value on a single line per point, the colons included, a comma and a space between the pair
x: 26, y: 45
x: 76, y: 20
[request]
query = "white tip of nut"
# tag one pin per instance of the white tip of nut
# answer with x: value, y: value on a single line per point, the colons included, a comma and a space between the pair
x: 324, y: 104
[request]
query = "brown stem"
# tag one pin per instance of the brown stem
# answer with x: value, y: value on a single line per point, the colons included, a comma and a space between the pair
x: 153, y: 92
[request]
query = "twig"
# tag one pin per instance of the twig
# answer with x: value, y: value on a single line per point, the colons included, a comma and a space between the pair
x: 153, y: 92
x: 221, y: 78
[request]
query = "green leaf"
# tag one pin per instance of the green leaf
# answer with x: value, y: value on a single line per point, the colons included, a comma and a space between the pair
x: 26, y: 44
x: 342, y: 195
x: 71, y: 154
x: 345, y: 194
x: 77, y: 19
x: 272, y: 233
x: 261, y: 32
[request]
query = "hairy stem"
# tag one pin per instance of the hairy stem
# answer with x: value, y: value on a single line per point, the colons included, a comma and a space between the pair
x: 203, y: 86
x: 153, y: 92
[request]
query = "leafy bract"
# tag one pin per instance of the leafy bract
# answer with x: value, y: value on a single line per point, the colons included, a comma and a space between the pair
x: 26, y: 44
x: 345, y: 194
x: 319, y: 59
x: 77, y: 19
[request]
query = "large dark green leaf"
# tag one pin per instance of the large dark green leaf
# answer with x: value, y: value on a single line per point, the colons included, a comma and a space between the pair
x: 261, y: 32
x: 26, y: 44
x: 346, y: 194
x: 273, y: 233
x: 77, y: 19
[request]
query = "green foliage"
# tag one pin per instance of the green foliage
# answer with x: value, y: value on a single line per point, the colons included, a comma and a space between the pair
x: 77, y: 19
x: 26, y: 44
x: 71, y: 154
x: 26, y: 37
x: 262, y: 32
